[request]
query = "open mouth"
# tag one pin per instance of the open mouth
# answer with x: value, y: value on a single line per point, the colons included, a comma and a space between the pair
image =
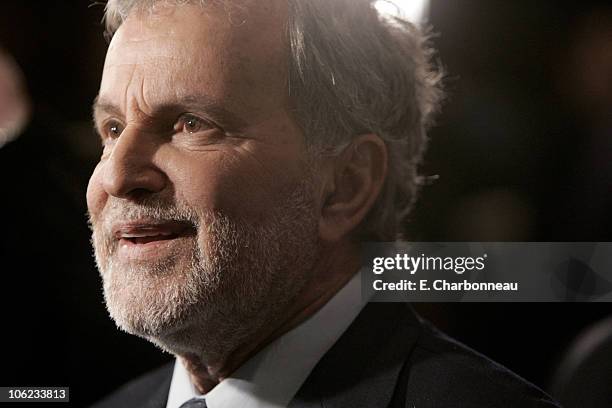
x: 146, y: 232
x: 149, y: 238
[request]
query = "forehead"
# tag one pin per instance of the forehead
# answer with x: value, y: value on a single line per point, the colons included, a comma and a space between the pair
x: 236, y: 53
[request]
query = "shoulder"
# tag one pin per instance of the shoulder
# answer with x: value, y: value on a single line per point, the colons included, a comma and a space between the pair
x: 148, y: 390
x: 441, y: 371
x: 391, y: 358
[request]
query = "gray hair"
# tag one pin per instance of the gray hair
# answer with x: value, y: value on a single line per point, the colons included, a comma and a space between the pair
x: 353, y: 71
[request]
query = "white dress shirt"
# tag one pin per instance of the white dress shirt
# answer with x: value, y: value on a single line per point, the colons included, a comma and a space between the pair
x: 272, y: 377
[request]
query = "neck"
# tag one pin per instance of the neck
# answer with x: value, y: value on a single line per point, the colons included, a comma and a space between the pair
x: 335, y: 268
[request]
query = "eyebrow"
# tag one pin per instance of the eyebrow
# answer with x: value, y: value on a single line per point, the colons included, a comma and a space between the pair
x: 203, y: 104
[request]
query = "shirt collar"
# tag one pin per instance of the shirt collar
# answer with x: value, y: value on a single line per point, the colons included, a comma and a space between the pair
x: 273, y: 376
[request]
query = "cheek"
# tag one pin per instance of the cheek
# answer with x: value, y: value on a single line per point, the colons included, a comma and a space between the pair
x: 233, y: 182
x: 96, y: 197
x: 208, y: 182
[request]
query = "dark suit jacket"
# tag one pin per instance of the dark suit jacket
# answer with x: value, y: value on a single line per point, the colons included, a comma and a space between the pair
x: 388, y: 357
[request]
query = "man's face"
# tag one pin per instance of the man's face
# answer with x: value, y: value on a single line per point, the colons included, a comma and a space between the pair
x: 202, y: 208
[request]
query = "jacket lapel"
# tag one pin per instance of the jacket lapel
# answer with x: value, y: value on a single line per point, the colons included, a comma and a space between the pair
x: 362, y: 368
x: 159, y: 388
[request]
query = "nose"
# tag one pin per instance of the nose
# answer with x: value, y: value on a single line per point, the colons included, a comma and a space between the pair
x: 129, y: 172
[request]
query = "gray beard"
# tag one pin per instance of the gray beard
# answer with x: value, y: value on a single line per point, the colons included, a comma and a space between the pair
x: 224, y: 285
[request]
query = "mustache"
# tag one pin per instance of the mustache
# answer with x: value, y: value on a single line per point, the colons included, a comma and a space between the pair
x: 151, y: 209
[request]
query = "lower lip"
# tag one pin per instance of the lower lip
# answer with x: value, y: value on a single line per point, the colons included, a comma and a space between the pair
x: 129, y: 250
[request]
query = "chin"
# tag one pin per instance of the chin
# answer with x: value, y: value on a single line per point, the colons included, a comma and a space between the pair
x: 152, y: 302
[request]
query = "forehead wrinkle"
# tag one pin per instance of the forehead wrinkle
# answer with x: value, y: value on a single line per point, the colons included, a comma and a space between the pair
x: 134, y: 102
x: 135, y: 99
x: 145, y: 107
x: 163, y: 47
x: 148, y: 61
x: 135, y: 110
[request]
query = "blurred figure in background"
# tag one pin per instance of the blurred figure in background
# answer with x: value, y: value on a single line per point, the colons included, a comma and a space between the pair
x: 14, y: 101
x: 43, y: 245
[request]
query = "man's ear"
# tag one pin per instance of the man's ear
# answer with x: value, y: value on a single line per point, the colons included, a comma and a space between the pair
x: 353, y: 183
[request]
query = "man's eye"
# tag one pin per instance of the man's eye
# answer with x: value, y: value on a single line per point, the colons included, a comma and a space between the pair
x: 192, y: 124
x: 112, y: 129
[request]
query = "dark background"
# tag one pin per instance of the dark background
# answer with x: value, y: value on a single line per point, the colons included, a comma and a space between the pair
x: 523, y: 151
